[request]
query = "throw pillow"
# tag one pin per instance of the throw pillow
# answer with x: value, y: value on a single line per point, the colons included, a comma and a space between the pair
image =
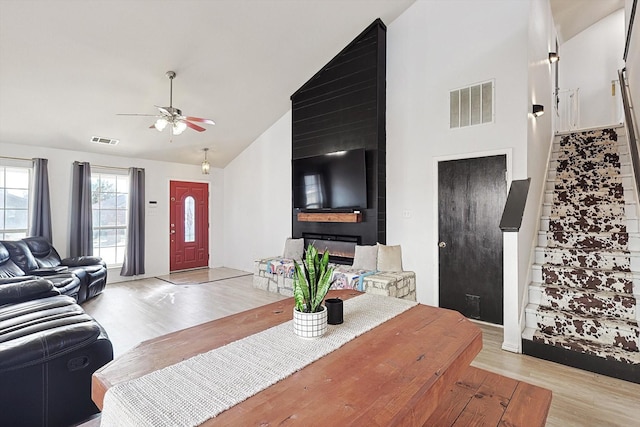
x: 389, y: 258
x: 366, y: 258
x: 293, y: 249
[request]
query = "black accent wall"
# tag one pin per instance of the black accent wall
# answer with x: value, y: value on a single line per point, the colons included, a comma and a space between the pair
x: 342, y: 107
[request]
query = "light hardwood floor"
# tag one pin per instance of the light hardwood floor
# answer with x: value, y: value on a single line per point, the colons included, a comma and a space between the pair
x: 136, y: 311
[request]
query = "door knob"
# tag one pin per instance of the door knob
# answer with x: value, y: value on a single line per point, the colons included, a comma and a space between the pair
x: 442, y: 244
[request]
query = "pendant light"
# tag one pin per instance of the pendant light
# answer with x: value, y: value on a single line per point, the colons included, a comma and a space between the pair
x: 205, y: 164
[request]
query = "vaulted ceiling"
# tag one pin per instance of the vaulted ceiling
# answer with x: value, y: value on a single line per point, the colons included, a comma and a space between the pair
x: 68, y: 67
x: 573, y: 16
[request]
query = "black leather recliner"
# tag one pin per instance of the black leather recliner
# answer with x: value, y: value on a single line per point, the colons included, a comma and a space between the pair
x: 14, y: 261
x: 36, y: 256
x: 49, y: 350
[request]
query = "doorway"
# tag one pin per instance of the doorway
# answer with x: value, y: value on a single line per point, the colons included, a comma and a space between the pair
x: 471, y: 197
x: 188, y: 225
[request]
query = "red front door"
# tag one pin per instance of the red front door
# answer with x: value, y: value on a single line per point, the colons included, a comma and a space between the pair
x: 188, y: 225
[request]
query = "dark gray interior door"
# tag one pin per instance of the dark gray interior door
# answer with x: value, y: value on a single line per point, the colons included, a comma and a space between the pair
x: 471, y: 197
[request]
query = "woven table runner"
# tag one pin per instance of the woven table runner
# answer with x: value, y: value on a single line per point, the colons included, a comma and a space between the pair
x: 197, y: 389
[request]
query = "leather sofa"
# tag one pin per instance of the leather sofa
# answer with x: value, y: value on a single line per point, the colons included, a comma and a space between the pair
x: 49, y: 350
x: 79, y: 277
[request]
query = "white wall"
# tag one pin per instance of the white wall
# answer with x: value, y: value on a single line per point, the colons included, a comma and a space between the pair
x: 541, y: 81
x: 432, y: 48
x: 157, y: 177
x: 429, y: 52
x: 590, y: 61
x: 257, y: 201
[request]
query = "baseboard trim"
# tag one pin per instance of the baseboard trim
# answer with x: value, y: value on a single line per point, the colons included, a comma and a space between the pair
x: 511, y: 347
x: 587, y: 362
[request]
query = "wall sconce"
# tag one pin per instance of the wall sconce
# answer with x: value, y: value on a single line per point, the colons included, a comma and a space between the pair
x: 553, y: 57
x: 538, y: 110
x: 205, y: 164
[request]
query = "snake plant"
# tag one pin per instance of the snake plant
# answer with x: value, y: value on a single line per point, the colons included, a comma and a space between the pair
x: 312, y: 280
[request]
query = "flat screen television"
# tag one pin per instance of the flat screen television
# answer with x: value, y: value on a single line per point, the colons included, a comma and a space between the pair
x: 330, y: 181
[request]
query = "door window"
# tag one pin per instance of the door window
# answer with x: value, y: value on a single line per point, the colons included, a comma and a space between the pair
x: 189, y: 219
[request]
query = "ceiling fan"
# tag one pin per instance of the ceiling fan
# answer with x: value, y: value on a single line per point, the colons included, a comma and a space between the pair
x: 173, y: 116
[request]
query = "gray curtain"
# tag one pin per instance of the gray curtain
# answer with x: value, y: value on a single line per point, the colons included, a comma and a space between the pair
x: 134, y: 254
x: 40, y: 221
x: 81, y: 229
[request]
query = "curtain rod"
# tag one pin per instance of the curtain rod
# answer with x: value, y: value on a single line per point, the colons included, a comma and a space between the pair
x: 95, y: 166
x: 108, y: 167
x: 14, y: 158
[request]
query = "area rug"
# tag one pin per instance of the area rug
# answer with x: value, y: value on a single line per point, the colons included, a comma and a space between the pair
x: 205, y: 275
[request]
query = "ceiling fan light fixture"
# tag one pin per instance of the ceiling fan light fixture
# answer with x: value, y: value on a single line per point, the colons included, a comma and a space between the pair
x: 173, y: 116
x: 160, y: 124
x: 178, y: 128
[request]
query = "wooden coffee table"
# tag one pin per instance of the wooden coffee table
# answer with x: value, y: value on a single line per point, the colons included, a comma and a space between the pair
x: 395, y: 374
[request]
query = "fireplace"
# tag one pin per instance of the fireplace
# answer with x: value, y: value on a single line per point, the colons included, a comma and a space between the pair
x: 341, y: 248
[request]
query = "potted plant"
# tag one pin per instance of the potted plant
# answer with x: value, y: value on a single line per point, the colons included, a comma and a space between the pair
x: 311, y: 282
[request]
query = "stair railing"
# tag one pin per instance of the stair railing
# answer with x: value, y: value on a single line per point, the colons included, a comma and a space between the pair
x: 631, y: 129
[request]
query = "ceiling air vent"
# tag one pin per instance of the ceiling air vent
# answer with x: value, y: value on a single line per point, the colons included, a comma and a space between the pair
x: 106, y: 141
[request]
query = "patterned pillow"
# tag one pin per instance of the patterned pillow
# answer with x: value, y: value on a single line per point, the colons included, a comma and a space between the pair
x: 366, y: 258
x: 293, y: 249
x: 389, y: 258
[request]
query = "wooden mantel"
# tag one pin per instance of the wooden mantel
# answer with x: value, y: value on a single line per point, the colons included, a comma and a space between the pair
x: 329, y: 217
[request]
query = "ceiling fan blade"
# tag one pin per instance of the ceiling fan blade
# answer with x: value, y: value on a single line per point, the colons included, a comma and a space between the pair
x: 146, y: 115
x: 198, y: 119
x: 194, y: 126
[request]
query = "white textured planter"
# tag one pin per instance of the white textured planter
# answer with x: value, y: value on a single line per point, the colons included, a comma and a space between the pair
x: 310, y: 325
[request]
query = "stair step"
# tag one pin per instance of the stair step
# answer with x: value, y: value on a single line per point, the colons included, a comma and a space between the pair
x: 588, y: 225
x: 586, y: 278
x: 585, y: 302
x: 608, y: 210
x: 559, y: 152
x: 609, y: 158
x: 590, y: 137
x: 615, y: 136
x: 588, y: 183
x: 610, y: 195
x: 586, y: 152
x: 603, y: 260
x: 600, y: 329
x: 590, y: 241
x: 585, y: 346
x: 588, y: 170
x: 604, y: 211
x: 623, y: 180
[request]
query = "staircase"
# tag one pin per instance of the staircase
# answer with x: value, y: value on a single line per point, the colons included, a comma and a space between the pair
x: 582, y: 307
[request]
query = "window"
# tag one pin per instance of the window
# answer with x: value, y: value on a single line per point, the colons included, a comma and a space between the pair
x: 14, y: 201
x: 471, y: 105
x: 109, y: 205
x: 189, y: 219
